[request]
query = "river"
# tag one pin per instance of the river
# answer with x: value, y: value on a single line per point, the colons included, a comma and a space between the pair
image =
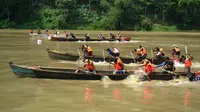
x: 50, y: 95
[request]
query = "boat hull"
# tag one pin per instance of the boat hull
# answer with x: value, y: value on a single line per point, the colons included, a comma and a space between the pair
x: 81, y: 39
x: 70, y: 74
x: 72, y: 57
x: 61, y: 73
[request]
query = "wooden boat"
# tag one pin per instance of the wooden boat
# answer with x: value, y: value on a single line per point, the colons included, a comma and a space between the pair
x: 38, y: 35
x: 53, y: 38
x: 62, y: 73
x: 53, y: 54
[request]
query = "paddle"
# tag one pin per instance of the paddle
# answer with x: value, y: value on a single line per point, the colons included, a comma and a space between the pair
x: 132, y: 56
x: 145, y: 74
x: 186, y: 51
x: 85, y: 71
x: 170, y: 72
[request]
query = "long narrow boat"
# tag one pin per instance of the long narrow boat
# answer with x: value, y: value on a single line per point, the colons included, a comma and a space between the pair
x: 62, y: 73
x: 53, y: 38
x: 53, y: 54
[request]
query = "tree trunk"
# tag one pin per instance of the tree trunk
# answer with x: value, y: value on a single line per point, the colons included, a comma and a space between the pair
x: 8, y: 12
x: 185, y: 17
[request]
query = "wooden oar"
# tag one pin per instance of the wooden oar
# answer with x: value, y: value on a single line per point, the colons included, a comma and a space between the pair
x: 169, y: 72
x: 186, y: 51
x: 132, y: 56
x: 145, y: 74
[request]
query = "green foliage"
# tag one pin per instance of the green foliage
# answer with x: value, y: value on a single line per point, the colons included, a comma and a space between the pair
x: 7, y: 24
x: 140, y: 15
x: 158, y: 27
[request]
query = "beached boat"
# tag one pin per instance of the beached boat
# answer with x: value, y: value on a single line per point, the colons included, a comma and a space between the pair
x: 74, y: 74
x: 53, y: 54
x: 53, y: 38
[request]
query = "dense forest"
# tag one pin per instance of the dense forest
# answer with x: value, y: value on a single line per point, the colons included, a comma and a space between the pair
x: 139, y: 15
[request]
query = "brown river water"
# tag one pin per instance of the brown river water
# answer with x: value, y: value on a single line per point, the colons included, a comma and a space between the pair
x: 51, y: 95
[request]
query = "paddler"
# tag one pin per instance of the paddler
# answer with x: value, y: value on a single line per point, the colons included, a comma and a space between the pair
x: 89, y: 66
x: 175, y: 51
x: 118, y: 66
x: 31, y: 31
x: 101, y: 36
x: 39, y: 31
x: 112, y: 36
x: 88, y: 50
x: 72, y: 35
x: 143, y: 52
x: 167, y: 66
x: 87, y: 36
x: 114, y: 52
x: 194, y: 76
x: 149, y: 67
x: 119, y: 35
x: 160, y: 54
x: 188, y: 63
x: 137, y: 53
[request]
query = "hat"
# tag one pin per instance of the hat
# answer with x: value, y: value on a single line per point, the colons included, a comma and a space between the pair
x: 161, y: 49
x: 138, y: 50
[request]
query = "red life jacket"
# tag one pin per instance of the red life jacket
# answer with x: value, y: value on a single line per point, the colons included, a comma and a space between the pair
x: 90, y: 65
x: 143, y: 51
x: 118, y: 66
x: 188, y: 63
x: 149, y: 68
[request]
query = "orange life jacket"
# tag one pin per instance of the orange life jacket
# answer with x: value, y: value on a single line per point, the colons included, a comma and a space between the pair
x: 89, y: 49
x: 188, y: 63
x: 118, y: 66
x: 90, y: 65
x: 143, y: 51
x: 149, y: 68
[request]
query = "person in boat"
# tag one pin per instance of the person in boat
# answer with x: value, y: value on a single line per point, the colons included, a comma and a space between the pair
x: 194, y: 76
x: 160, y: 54
x: 88, y: 50
x: 72, y: 35
x: 114, y: 52
x: 112, y: 36
x: 167, y: 66
x: 39, y: 31
x: 119, y: 35
x: 57, y: 32
x: 149, y: 67
x: 143, y: 52
x: 47, y: 32
x: 102, y: 37
x: 118, y: 66
x: 188, y: 63
x: 31, y: 31
x: 137, y: 54
x: 65, y: 33
x: 89, y: 66
x: 87, y: 36
x: 175, y: 51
